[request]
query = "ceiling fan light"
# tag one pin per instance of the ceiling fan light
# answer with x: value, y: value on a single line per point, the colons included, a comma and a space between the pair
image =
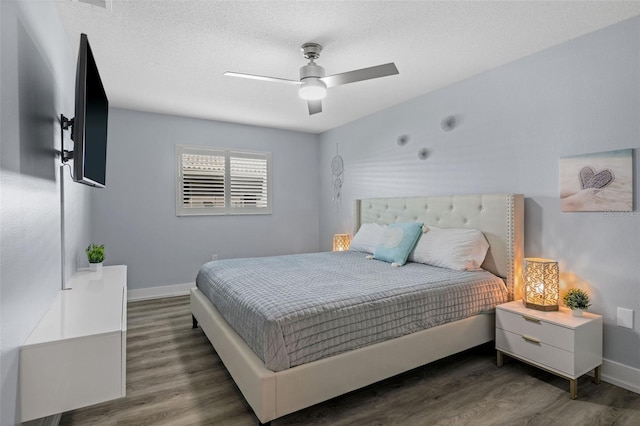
x: 313, y: 90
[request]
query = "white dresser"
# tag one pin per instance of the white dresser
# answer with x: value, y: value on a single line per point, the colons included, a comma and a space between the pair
x: 554, y: 341
x: 76, y: 356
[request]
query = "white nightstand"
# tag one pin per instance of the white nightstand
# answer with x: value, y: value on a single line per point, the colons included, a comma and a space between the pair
x: 554, y: 341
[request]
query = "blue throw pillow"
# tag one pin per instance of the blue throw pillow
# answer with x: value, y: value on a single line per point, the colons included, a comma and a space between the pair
x: 399, y: 240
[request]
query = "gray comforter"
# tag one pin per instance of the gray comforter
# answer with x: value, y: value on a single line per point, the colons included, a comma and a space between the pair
x: 295, y: 309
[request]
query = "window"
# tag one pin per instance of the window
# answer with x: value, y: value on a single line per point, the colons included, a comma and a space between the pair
x: 215, y: 181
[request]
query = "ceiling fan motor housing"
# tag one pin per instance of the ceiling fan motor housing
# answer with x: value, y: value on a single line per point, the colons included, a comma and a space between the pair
x: 311, y: 70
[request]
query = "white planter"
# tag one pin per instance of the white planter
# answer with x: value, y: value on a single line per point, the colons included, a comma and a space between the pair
x: 577, y: 312
x: 95, y: 267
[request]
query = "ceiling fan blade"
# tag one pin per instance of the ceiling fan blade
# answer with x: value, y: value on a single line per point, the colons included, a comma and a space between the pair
x: 360, y: 75
x: 314, y: 107
x: 262, y: 78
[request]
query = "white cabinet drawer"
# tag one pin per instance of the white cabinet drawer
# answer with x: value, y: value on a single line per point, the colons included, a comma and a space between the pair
x: 541, y: 353
x: 546, y: 332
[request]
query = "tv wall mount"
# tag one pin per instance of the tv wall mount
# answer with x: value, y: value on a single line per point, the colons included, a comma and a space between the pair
x: 66, y: 124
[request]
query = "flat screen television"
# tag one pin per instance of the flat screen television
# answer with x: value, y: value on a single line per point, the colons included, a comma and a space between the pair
x: 89, y: 132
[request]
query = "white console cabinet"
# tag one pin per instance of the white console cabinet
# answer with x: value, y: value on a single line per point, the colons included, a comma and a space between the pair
x: 76, y: 356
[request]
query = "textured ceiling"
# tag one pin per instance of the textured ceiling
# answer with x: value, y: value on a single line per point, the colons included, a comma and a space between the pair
x: 168, y: 56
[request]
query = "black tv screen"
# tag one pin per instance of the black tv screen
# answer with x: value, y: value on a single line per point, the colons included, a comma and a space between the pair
x: 90, y: 121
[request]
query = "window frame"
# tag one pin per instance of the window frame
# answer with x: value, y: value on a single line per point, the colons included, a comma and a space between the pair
x: 228, y: 209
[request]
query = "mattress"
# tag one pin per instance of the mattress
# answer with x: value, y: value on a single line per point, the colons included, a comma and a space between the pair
x: 295, y: 309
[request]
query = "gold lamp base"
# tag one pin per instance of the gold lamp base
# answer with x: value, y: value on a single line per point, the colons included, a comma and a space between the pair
x: 541, y: 307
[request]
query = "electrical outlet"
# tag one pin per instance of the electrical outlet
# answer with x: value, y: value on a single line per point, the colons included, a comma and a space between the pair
x: 214, y: 257
x: 625, y: 317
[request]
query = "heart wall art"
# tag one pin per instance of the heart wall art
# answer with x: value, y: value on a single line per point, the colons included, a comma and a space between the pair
x: 597, y: 182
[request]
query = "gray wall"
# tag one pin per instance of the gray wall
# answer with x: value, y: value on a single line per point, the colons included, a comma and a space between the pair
x: 516, y: 121
x: 134, y: 216
x: 37, y: 72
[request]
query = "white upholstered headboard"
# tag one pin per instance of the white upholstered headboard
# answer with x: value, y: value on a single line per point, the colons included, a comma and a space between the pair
x: 499, y: 216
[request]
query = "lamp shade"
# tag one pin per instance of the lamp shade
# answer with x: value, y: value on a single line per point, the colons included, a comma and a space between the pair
x: 541, y: 284
x: 341, y: 242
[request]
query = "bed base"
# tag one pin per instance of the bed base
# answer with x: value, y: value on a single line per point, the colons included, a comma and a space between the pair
x: 275, y: 394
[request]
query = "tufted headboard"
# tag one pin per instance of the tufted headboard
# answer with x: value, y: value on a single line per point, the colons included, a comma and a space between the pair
x: 499, y: 216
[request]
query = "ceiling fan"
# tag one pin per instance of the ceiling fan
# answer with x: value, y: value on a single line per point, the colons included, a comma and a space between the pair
x: 313, y: 84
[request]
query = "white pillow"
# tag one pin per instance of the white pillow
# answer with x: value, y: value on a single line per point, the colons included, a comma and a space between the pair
x: 453, y: 248
x: 367, y: 238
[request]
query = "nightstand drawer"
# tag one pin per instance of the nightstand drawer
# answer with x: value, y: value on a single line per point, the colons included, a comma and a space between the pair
x: 526, y: 348
x: 546, y: 332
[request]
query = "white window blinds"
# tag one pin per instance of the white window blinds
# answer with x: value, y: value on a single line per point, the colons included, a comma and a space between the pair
x: 248, y: 180
x: 213, y: 181
x: 203, y: 180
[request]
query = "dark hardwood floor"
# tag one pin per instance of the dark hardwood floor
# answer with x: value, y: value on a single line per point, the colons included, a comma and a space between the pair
x: 174, y: 377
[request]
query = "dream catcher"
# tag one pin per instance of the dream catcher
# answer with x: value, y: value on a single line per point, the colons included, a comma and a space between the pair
x: 337, y: 168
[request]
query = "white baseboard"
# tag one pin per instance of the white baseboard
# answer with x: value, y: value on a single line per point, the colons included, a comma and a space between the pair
x: 621, y: 375
x: 160, y: 292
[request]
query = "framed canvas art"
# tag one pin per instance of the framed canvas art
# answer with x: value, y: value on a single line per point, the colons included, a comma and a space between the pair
x: 597, y: 182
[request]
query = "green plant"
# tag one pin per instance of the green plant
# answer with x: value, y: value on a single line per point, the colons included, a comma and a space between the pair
x: 95, y: 253
x: 576, y: 299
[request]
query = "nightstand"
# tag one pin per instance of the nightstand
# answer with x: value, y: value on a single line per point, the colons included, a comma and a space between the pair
x: 554, y: 341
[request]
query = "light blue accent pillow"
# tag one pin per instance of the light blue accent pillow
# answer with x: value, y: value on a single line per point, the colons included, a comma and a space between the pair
x: 399, y: 240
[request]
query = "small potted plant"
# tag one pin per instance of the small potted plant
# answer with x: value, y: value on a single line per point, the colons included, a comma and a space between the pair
x: 577, y: 300
x: 95, y: 254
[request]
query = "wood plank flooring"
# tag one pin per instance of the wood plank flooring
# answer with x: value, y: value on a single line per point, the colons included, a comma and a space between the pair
x: 174, y: 377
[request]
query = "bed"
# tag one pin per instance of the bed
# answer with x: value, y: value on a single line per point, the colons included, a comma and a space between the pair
x: 282, y: 388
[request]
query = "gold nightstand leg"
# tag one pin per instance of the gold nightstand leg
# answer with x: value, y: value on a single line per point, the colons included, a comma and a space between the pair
x: 596, y: 375
x: 499, y: 359
x: 573, y: 388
